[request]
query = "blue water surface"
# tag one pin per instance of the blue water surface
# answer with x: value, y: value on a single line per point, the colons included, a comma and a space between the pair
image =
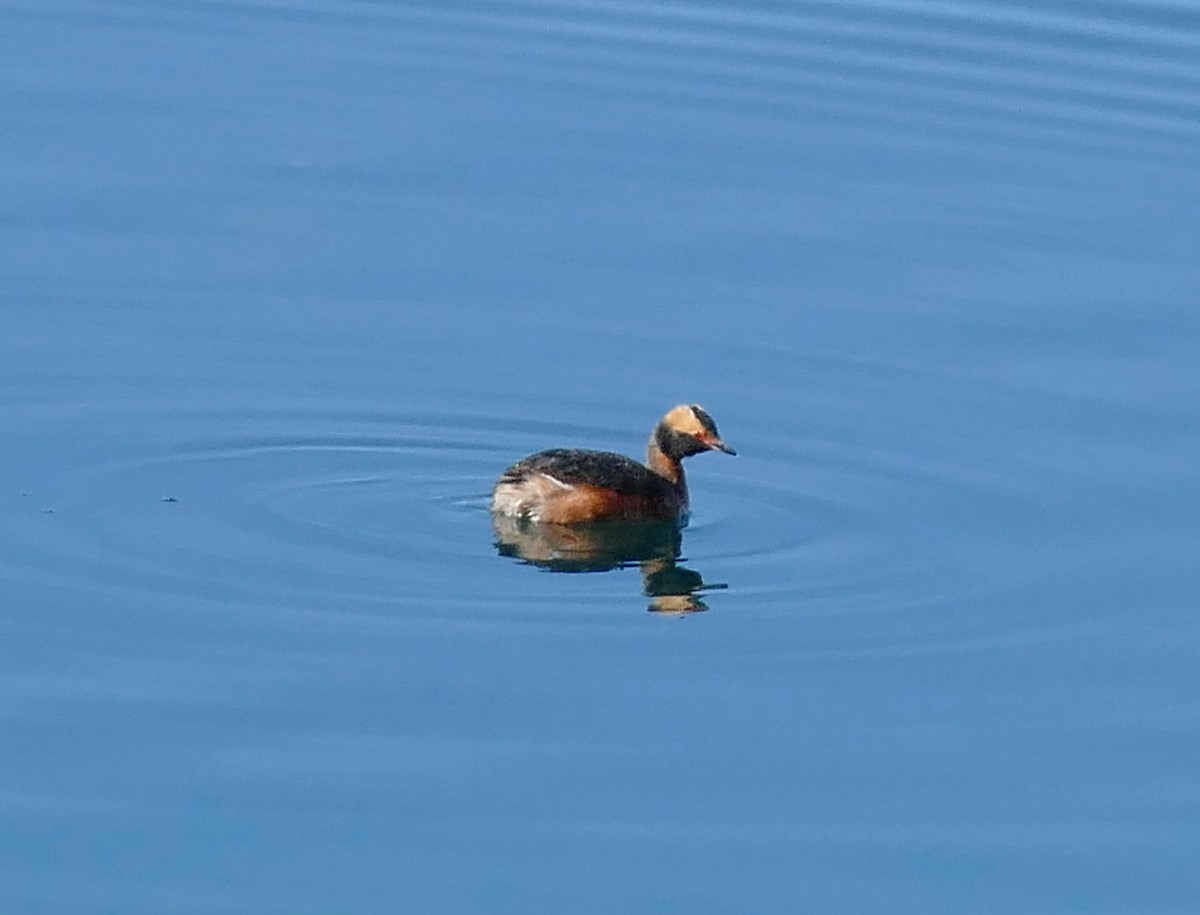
x: 285, y: 286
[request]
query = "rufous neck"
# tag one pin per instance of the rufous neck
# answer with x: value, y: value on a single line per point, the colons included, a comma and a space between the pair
x: 664, y: 465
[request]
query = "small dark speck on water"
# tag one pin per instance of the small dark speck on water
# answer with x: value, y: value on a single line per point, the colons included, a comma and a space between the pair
x: 168, y: 499
x: 47, y: 511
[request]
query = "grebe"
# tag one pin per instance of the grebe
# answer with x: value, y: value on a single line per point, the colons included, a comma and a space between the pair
x: 570, y: 486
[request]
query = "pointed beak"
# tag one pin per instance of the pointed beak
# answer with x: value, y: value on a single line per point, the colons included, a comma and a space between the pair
x: 717, y: 445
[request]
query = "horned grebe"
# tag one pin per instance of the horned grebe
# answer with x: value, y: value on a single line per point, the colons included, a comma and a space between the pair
x: 569, y: 486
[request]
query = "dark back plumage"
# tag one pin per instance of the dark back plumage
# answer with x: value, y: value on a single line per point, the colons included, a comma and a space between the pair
x: 575, y: 466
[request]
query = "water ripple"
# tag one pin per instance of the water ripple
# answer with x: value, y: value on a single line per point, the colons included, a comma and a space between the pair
x: 1093, y: 76
x: 386, y: 512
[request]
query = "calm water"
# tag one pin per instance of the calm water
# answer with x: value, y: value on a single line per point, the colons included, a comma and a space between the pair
x: 286, y: 284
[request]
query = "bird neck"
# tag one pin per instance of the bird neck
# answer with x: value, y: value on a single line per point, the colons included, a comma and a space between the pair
x: 665, y: 465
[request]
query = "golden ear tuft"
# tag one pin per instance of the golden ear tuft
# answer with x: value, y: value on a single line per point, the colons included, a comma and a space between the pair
x: 683, y: 419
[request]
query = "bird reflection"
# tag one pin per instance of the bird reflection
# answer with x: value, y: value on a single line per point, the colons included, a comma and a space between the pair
x: 601, y: 546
